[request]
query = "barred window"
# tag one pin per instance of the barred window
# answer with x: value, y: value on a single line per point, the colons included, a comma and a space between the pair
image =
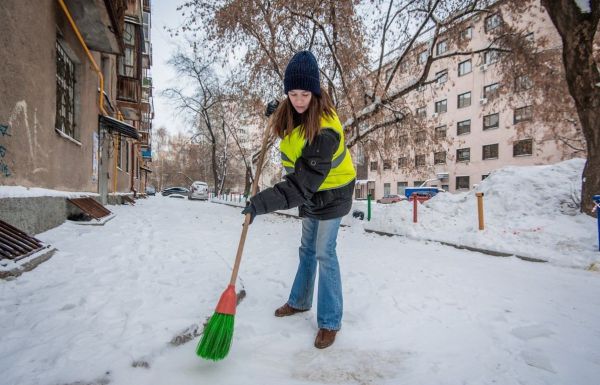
x: 462, y: 182
x: 464, y: 100
x: 463, y: 154
x: 523, y: 147
x: 491, y: 121
x: 490, y: 151
x: 439, y: 157
x: 463, y: 127
x: 65, y: 92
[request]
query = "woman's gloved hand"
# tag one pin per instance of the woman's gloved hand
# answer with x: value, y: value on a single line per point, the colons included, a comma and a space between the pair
x: 250, y: 209
x: 271, y: 107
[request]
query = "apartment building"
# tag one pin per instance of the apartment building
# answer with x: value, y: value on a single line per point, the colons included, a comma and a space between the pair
x: 58, y: 131
x: 468, y: 121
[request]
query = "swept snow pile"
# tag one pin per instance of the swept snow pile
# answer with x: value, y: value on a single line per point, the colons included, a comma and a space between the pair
x: 529, y: 211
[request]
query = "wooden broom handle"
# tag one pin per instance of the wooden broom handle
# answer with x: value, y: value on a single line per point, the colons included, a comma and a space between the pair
x: 240, y: 250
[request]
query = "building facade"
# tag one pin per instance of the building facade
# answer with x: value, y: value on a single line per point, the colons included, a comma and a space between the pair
x: 57, y: 130
x: 467, y: 120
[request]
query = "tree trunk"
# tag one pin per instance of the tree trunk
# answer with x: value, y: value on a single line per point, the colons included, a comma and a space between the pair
x: 577, y: 32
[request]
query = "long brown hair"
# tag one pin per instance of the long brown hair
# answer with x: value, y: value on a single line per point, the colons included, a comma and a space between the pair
x: 282, y: 122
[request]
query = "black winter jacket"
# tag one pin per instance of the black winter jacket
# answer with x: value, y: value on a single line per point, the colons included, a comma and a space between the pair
x: 299, y: 188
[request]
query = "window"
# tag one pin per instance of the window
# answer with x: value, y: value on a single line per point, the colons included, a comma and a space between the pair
x: 523, y: 83
x: 420, y: 136
x: 463, y: 154
x: 439, y: 157
x: 523, y: 147
x: 419, y: 160
x: 464, y: 100
x: 492, y: 22
x: 440, y: 132
x: 523, y: 114
x: 403, y: 140
x: 373, y: 166
x: 441, y: 106
x: 128, y: 62
x: 490, y: 151
x: 491, y: 91
x: 386, y: 189
x: 446, y: 187
x: 463, y: 127
x: 441, y: 47
x: 402, y: 162
x: 387, y: 165
x: 441, y: 77
x: 401, y: 186
x: 421, y: 112
x: 65, y: 92
x: 490, y: 57
x: 422, y: 57
x: 491, y: 121
x: 464, y: 67
x: 484, y: 176
x: 418, y: 183
x: 466, y: 33
x: 462, y: 182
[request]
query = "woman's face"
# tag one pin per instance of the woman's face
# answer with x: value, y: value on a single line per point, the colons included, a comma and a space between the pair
x: 300, y: 99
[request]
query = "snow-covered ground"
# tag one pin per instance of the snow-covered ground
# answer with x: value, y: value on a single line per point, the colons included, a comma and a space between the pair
x: 416, y: 312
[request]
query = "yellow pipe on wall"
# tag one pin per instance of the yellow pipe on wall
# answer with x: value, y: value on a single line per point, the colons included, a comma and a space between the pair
x: 87, y: 51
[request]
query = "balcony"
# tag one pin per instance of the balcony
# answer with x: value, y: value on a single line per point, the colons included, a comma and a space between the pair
x: 128, y: 89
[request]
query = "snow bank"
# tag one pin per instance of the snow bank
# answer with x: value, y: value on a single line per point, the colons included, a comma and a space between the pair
x: 29, y: 192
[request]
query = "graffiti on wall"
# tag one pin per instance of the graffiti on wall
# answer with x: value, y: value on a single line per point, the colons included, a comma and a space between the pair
x: 4, y: 169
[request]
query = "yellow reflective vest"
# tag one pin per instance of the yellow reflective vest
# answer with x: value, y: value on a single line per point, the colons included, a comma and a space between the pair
x: 342, y: 170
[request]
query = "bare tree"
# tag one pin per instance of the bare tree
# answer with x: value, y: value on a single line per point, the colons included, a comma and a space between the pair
x: 577, y: 29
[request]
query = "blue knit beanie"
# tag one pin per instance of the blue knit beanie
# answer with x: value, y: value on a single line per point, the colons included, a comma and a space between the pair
x: 302, y: 73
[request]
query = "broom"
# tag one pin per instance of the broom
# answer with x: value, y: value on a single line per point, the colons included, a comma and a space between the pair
x: 218, y: 332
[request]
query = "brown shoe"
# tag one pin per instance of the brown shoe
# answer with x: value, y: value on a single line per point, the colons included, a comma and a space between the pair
x: 325, y: 338
x: 287, y: 310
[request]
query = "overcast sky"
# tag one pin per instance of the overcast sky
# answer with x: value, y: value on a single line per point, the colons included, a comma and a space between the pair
x: 164, y: 14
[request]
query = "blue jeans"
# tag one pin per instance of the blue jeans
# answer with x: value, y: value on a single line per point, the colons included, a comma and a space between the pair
x: 318, y: 245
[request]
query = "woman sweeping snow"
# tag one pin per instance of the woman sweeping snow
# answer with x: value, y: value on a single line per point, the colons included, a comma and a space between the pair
x: 320, y: 180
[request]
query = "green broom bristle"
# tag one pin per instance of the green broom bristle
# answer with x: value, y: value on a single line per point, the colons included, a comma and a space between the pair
x: 217, y: 336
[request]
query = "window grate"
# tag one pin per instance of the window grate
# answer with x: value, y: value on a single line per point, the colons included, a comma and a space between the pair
x: 91, y: 207
x: 15, y: 244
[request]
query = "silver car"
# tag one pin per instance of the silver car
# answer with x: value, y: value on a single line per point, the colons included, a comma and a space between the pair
x: 198, y: 190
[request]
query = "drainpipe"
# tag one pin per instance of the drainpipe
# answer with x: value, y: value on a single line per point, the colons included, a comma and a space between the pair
x: 94, y: 65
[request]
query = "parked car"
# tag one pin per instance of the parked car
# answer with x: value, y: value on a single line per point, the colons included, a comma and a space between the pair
x: 198, y: 190
x: 422, y: 193
x: 392, y: 198
x: 150, y: 190
x: 176, y: 192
